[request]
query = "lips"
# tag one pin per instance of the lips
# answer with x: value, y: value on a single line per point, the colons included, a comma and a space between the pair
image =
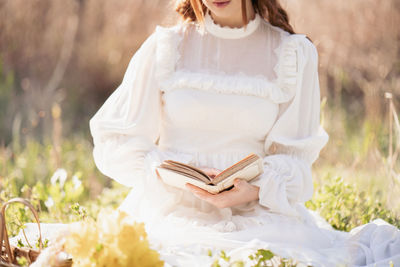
x: 221, y: 3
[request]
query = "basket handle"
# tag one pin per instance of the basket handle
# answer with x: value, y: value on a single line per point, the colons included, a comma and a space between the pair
x: 3, y: 227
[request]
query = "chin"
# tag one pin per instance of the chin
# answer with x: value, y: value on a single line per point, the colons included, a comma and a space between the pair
x: 227, y: 11
x: 222, y: 13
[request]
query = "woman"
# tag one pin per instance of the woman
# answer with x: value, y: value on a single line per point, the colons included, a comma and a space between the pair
x: 229, y: 80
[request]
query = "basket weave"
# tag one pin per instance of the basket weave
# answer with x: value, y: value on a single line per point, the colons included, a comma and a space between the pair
x: 8, y: 253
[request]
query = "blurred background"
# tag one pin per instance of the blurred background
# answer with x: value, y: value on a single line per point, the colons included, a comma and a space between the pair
x: 60, y: 60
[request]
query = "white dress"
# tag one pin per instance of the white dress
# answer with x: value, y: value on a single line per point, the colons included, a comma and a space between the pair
x: 210, y: 96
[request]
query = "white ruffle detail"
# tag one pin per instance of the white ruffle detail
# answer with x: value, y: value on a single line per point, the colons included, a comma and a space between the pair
x: 281, y: 90
x: 287, y: 69
x: 285, y: 185
x: 227, y: 32
x: 167, y: 54
x: 239, y: 83
x: 307, y: 149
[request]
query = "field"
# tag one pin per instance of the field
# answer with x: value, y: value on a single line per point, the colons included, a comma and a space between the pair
x: 60, y: 60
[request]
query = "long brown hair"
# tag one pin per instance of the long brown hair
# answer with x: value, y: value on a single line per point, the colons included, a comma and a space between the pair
x: 270, y: 10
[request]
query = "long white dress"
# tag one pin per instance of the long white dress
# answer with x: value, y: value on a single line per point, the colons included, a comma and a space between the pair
x: 210, y: 96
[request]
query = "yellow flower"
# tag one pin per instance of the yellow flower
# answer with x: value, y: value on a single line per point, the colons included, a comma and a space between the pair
x: 114, y: 240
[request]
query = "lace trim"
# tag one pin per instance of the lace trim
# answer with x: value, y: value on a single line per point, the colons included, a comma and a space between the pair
x: 281, y: 90
x: 239, y: 83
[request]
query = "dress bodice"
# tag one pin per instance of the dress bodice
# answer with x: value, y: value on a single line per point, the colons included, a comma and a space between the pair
x: 222, y: 87
x: 203, y: 121
x: 209, y: 97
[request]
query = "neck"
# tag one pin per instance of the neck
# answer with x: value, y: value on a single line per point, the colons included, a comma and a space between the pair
x: 235, y: 21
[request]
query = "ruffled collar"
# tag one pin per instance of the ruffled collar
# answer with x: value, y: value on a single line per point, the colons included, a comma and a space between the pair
x: 229, y: 32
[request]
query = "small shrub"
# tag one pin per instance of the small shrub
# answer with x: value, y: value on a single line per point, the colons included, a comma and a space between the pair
x: 345, y: 207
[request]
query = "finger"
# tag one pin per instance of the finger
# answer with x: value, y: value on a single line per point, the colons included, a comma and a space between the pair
x: 158, y: 174
x: 214, y: 171
x: 210, y: 171
x: 238, y: 182
x: 196, y: 189
x: 200, y: 193
x: 192, y: 187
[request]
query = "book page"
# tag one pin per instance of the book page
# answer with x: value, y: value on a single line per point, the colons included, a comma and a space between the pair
x: 178, y: 180
x: 177, y: 163
x: 235, y: 168
x: 189, y: 172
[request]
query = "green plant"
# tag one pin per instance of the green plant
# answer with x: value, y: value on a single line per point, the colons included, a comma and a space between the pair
x: 260, y: 258
x: 345, y: 207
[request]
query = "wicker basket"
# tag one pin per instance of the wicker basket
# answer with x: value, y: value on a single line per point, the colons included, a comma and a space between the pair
x: 8, y: 253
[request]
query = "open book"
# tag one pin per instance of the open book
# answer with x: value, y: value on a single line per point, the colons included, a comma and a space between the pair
x: 178, y: 174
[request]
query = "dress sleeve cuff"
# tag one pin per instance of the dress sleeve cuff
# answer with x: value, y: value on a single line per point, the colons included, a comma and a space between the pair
x: 285, y: 184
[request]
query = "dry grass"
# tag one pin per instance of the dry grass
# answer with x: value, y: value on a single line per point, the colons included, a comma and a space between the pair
x: 66, y: 51
x: 358, y: 42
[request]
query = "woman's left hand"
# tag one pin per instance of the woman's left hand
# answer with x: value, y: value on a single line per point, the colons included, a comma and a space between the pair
x: 241, y: 193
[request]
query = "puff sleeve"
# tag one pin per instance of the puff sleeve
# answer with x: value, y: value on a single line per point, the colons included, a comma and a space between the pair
x: 126, y: 127
x: 297, y: 137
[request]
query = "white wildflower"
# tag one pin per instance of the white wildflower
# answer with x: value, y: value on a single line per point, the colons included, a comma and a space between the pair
x: 49, y: 202
x: 59, y: 175
x: 76, y: 182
